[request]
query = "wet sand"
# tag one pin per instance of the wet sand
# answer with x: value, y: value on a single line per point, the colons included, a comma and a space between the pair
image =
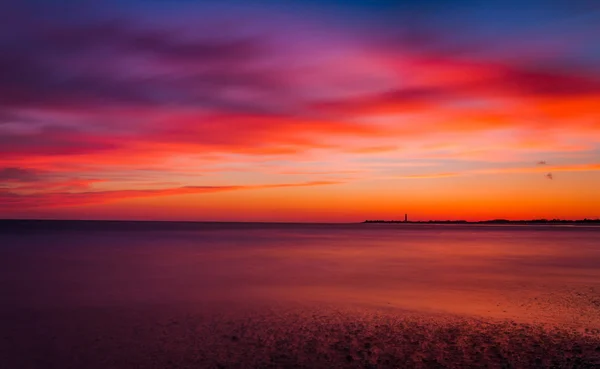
x: 291, y: 336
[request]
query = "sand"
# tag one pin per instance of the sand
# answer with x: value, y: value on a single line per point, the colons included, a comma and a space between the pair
x: 284, y: 336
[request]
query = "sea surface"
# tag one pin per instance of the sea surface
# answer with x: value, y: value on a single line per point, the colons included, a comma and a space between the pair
x: 246, y: 295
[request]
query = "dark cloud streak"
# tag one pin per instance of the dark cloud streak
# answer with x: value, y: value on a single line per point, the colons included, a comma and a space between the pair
x: 18, y: 175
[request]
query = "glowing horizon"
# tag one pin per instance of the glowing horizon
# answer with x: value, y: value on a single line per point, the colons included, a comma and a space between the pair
x: 299, y: 112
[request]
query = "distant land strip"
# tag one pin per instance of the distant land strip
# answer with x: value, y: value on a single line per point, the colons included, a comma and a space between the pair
x: 493, y: 221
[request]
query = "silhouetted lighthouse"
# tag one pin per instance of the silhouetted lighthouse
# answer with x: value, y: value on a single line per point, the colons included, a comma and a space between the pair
x: 406, y: 217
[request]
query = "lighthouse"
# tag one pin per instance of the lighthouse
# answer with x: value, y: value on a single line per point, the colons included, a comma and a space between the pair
x: 405, y: 218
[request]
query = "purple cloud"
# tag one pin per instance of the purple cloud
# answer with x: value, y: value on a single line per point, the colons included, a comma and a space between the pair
x: 18, y: 175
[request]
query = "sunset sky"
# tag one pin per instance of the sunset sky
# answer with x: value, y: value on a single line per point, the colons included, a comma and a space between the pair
x: 299, y: 110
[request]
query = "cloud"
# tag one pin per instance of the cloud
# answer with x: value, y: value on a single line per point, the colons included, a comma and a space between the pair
x: 386, y: 102
x: 56, y: 140
x: 255, y: 134
x: 90, y: 96
x: 50, y: 184
x: 373, y: 149
x: 319, y: 173
x: 10, y: 199
x: 449, y: 83
x: 18, y: 175
x: 177, y: 90
x: 591, y: 167
x: 429, y: 176
x: 124, y: 36
x: 505, y: 170
x: 121, y: 63
x: 546, y: 83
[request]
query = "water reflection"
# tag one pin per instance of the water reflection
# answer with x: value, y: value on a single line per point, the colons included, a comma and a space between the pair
x: 543, y: 273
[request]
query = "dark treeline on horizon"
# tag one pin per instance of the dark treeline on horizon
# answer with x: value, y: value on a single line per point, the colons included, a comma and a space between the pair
x: 30, y: 225
x: 494, y: 221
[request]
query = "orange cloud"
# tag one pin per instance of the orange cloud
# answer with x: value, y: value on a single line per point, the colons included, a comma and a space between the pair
x: 427, y: 176
x: 10, y: 199
x: 547, y: 168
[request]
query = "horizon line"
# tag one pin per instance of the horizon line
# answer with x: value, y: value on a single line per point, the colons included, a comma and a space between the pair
x: 304, y: 222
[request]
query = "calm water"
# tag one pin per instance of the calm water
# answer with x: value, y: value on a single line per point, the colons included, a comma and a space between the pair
x: 522, y: 272
x: 183, y: 295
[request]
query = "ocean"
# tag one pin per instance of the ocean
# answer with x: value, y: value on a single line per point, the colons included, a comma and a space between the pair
x: 177, y: 294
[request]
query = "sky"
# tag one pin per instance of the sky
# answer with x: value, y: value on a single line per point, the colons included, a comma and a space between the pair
x: 324, y: 111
